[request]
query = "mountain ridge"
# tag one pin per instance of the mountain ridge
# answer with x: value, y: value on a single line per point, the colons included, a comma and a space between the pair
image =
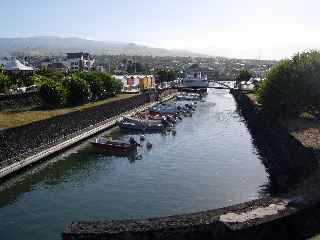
x: 53, y: 45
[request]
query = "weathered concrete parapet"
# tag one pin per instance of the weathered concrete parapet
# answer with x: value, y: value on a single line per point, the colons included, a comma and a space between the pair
x: 268, y: 218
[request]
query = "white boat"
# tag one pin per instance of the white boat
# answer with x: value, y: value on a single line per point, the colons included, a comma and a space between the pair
x: 140, y: 125
x: 195, y: 80
x: 189, y: 97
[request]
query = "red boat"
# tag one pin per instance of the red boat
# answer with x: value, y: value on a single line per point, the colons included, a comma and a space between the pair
x: 116, y: 148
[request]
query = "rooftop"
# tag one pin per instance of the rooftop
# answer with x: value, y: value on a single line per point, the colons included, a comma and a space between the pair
x: 15, y: 64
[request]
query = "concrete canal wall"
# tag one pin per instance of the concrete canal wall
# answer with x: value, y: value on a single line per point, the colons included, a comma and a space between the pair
x: 21, y: 139
x: 289, y: 217
x: 19, y: 143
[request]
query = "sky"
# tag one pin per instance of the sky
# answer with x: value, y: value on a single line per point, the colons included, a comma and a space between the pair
x: 266, y: 29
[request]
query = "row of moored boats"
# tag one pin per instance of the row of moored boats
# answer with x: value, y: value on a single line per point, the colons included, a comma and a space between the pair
x: 160, y: 118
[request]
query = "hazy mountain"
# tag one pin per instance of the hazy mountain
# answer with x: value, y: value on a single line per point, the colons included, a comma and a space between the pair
x: 58, y: 45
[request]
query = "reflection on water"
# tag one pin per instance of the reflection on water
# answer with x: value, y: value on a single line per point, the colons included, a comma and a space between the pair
x: 211, y: 162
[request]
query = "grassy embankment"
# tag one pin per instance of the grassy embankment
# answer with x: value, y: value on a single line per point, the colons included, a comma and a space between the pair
x: 10, y: 119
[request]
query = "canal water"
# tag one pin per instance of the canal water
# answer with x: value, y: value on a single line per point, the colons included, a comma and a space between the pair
x: 211, y: 162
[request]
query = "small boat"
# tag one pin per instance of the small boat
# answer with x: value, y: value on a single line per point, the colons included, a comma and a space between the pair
x: 164, y: 109
x: 149, y: 145
x: 140, y: 125
x: 142, y: 137
x: 113, y: 147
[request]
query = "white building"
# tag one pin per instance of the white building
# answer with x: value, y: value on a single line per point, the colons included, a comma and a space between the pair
x: 195, y: 79
x: 80, y: 61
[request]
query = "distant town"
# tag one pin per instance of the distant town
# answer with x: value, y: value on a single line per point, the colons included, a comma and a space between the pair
x: 130, y: 69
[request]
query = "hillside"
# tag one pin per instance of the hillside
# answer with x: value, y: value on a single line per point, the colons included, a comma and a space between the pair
x: 58, y: 45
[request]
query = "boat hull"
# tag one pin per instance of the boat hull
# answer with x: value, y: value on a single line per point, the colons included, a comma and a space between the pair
x: 140, y: 125
x: 115, y: 148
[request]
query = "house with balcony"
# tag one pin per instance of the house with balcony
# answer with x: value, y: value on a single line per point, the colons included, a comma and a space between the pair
x: 80, y: 61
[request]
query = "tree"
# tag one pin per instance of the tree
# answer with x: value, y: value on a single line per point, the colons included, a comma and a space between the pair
x: 52, y: 74
x: 101, y: 84
x: 39, y: 79
x: 78, y: 90
x: 292, y: 86
x: 116, y: 86
x: 135, y: 67
x: 194, y: 66
x: 5, y: 82
x: 52, y: 94
x: 95, y: 81
x: 244, y: 75
x: 166, y: 75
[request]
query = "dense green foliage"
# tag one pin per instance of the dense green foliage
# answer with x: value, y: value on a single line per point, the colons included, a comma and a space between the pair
x: 244, y: 75
x: 166, y: 75
x: 5, y: 82
x: 77, y: 89
x: 101, y: 85
x: 39, y: 79
x: 292, y: 87
x: 135, y: 67
x: 52, y: 94
x: 52, y: 74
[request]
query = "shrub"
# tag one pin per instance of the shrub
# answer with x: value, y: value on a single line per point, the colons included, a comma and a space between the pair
x: 95, y: 81
x: 51, y: 74
x: 244, y: 75
x: 38, y: 79
x: 101, y: 84
x: 292, y: 86
x: 52, y: 94
x: 5, y: 82
x: 117, y: 86
x: 78, y: 91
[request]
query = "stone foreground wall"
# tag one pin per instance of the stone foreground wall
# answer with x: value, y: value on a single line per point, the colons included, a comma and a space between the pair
x: 261, y: 219
x: 21, y: 139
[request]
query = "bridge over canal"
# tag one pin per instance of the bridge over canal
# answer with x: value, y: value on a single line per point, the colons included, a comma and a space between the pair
x: 210, y: 83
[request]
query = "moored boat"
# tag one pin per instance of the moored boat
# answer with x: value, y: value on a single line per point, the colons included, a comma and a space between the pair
x: 140, y: 125
x: 189, y: 97
x: 113, y: 147
x: 164, y: 109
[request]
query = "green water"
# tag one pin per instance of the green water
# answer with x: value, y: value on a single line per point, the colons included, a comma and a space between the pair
x: 211, y: 162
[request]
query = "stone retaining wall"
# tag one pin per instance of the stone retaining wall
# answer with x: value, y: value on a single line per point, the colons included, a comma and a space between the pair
x: 21, y: 139
x: 288, y: 161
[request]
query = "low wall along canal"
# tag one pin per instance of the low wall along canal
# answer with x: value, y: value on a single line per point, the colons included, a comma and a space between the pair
x: 212, y: 162
x: 22, y: 139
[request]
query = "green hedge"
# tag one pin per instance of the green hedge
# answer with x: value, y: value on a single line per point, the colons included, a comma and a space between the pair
x: 77, y: 88
x: 52, y: 94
